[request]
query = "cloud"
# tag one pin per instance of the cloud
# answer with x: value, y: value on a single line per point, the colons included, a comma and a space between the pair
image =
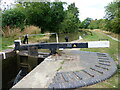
x: 6, y: 4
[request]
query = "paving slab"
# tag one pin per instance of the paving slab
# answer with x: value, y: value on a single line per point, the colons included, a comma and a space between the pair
x: 94, y: 68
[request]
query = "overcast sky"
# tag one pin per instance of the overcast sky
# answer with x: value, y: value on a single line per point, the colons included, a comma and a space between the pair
x: 90, y: 8
x: 87, y: 8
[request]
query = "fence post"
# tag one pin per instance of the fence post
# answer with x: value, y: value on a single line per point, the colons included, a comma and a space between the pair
x: 57, y: 37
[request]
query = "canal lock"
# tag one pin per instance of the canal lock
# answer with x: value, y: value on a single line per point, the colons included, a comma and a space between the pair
x: 17, y: 65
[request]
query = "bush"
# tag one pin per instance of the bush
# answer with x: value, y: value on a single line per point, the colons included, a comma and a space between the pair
x: 13, y: 18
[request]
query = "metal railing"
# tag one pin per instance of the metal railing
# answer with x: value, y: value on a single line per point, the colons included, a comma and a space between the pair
x: 29, y: 35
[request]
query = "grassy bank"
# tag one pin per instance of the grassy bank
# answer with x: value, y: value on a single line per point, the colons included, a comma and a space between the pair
x: 6, y: 41
x: 109, y: 33
x: 8, y: 38
x: 10, y: 34
x: 112, y: 51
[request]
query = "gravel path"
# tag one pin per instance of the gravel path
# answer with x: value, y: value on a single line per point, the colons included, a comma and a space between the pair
x: 113, y: 38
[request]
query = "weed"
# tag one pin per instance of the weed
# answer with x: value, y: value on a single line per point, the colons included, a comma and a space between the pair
x: 59, y: 68
x: 62, y: 62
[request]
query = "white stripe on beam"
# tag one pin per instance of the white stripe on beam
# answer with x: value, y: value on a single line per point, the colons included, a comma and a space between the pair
x: 3, y: 53
x: 98, y: 44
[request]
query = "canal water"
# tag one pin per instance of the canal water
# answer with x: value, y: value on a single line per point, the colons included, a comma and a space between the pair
x: 61, y: 36
x: 9, y: 71
x: 11, y: 66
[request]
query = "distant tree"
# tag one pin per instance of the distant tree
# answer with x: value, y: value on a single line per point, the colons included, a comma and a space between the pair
x: 94, y: 24
x: 102, y: 24
x: 84, y: 24
x: 73, y: 9
x: 71, y: 21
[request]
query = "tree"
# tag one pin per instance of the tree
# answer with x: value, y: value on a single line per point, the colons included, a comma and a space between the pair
x: 71, y: 21
x: 69, y: 24
x: 74, y: 10
x: 102, y: 24
x: 112, y: 10
x: 97, y: 24
x: 38, y: 14
x: 85, y: 23
x: 49, y: 16
x: 13, y: 18
x: 46, y: 15
x: 57, y: 15
x: 115, y: 25
x: 113, y: 16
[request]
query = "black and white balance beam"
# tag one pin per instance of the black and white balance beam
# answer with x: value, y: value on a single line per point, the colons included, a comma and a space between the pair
x: 91, y: 44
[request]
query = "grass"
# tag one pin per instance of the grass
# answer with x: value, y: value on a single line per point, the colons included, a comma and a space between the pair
x: 110, y: 33
x: 62, y: 62
x: 11, y: 34
x: 112, y: 51
x: 59, y: 68
x: 40, y: 38
x: 6, y: 42
x: 109, y: 83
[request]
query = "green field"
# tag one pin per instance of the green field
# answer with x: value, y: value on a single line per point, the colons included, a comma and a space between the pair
x: 112, y: 51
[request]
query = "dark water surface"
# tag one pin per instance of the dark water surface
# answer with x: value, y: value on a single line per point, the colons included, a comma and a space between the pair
x: 61, y: 37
